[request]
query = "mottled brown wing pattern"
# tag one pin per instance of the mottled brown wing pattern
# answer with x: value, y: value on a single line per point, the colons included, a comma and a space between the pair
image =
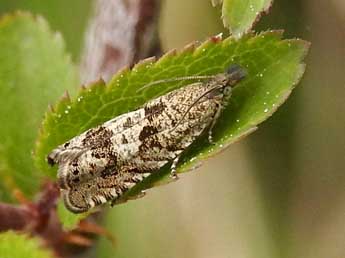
x: 100, y: 190
x: 104, y: 162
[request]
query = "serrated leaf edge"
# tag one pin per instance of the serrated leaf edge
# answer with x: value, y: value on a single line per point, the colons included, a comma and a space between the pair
x: 196, y: 48
x: 35, y: 241
x: 265, y: 10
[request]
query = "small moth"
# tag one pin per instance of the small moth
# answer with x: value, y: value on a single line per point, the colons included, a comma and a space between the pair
x: 104, y: 162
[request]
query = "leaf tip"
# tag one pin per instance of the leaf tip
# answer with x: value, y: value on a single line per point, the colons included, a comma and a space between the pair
x: 125, y: 69
x: 83, y: 88
x: 144, y: 62
x: 66, y: 97
x: 170, y: 53
x: 189, y: 48
x: 217, y: 38
x: 238, y: 26
x: 167, y: 55
x: 51, y: 108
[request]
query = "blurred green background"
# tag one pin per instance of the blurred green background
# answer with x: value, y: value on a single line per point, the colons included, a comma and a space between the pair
x: 278, y: 193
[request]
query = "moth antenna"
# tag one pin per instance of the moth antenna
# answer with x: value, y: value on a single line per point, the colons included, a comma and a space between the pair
x: 194, y: 103
x: 193, y: 77
x: 234, y: 71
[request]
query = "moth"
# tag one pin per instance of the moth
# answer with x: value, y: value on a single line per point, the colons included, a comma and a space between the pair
x: 103, y: 163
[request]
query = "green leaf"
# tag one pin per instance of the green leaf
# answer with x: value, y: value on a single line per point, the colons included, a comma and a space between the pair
x: 15, y: 245
x: 34, y: 71
x: 273, y: 65
x: 240, y: 15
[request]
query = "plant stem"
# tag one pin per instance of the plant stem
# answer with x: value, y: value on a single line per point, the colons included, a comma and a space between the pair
x: 120, y: 34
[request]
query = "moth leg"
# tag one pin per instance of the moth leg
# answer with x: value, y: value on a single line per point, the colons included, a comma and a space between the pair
x: 173, y: 174
x: 124, y: 200
x: 213, y: 123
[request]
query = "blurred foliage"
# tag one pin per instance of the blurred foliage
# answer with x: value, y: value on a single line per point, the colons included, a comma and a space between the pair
x: 240, y: 15
x: 15, y: 245
x: 201, y: 24
x: 276, y: 176
x: 34, y: 71
x: 68, y: 17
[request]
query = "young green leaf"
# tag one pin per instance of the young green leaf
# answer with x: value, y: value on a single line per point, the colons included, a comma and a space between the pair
x: 34, y: 71
x: 240, y: 15
x: 15, y: 245
x: 274, y: 66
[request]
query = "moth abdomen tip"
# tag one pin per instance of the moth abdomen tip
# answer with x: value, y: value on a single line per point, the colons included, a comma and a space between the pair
x: 71, y: 206
x: 52, y: 157
x: 50, y: 160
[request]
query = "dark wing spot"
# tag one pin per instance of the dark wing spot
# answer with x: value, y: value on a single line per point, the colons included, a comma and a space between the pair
x: 172, y: 147
x: 147, y: 131
x: 98, y: 154
x: 100, y: 137
x: 124, y: 139
x: 128, y: 123
x: 76, y: 180
x: 155, y: 143
x: 156, y: 109
x: 171, y: 118
x: 112, y: 159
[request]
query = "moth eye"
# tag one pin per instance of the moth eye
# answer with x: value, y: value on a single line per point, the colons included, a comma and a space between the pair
x: 66, y: 144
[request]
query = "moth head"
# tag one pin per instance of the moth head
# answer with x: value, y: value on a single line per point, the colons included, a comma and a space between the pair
x: 235, y: 73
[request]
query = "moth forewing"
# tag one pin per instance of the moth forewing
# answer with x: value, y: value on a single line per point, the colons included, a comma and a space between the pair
x: 104, y: 162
